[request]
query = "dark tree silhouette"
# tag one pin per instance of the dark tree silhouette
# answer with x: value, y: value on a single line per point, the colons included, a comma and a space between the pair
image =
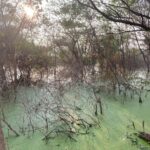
x: 134, y: 13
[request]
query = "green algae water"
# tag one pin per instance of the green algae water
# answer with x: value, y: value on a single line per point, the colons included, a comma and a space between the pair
x: 115, y: 131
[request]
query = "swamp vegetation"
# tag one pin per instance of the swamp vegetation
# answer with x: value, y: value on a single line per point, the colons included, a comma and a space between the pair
x: 74, y: 75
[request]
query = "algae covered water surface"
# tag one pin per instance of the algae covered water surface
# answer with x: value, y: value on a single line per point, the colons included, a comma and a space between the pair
x: 115, y: 130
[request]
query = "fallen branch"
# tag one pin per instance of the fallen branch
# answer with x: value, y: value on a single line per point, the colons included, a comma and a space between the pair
x: 8, y: 125
x: 145, y: 136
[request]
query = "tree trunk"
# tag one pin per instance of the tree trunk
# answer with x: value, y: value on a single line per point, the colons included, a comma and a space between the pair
x: 2, y: 142
x: 15, y: 72
x: 3, y: 84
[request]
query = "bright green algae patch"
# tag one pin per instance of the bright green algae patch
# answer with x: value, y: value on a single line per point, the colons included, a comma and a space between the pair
x: 115, y: 125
